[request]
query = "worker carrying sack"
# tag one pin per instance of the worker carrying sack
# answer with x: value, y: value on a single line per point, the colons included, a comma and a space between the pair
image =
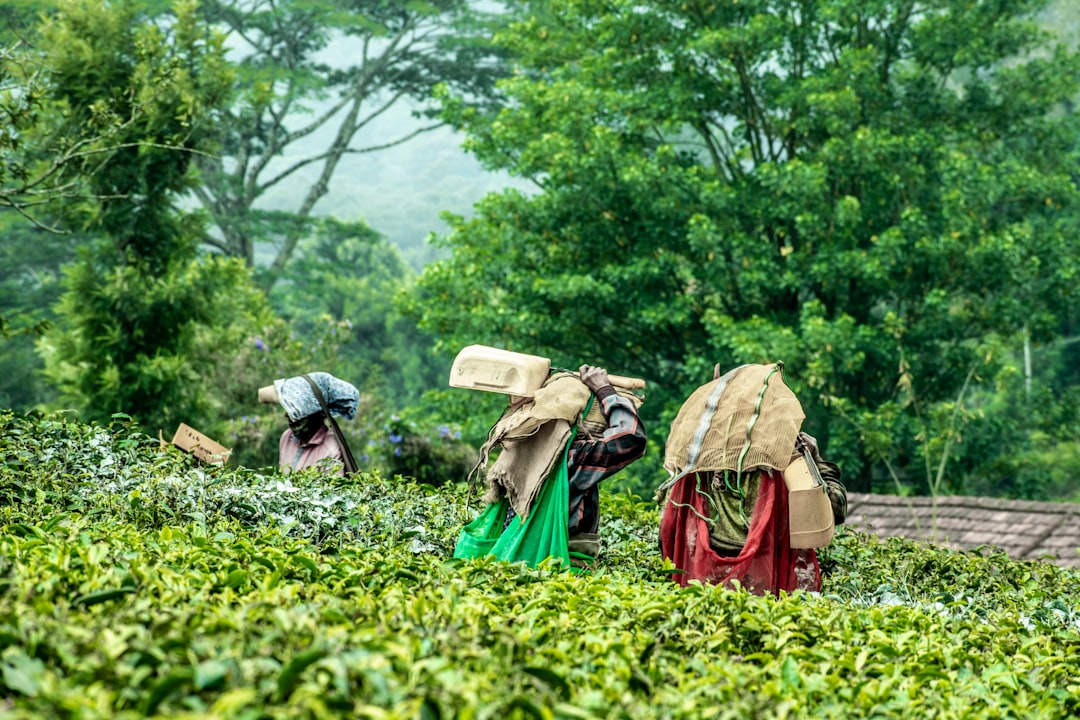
x: 346, y: 453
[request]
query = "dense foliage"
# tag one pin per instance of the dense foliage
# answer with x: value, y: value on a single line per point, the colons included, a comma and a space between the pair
x: 880, y: 194
x: 31, y: 262
x: 135, y: 583
x: 138, y: 295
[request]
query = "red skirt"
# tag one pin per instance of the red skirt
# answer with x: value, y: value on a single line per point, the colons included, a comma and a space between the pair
x: 767, y: 562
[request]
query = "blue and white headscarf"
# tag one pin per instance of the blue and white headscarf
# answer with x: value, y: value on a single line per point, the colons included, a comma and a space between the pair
x: 299, y: 401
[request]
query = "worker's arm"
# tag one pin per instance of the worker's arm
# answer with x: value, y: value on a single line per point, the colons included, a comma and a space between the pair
x: 830, y: 473
x: 622, y: 442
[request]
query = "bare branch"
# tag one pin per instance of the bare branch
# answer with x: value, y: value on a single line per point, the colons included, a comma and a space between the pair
x: 393, y: 143
x: 375, y: 79
x: 37, y: 223
x: 347, y: 132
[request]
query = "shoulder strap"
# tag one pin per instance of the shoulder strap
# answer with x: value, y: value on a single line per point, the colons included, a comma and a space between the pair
x: 347, y: 456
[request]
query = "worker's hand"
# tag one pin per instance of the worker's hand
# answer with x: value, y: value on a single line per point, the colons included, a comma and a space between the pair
x: 594, y: 377
x: 806, y: 440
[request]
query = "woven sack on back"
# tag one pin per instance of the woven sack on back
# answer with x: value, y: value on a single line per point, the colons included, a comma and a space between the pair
x: 561, y: 393
x: 530, y: 439
x: 562, y: 397
x: 524, y: 465
x: 746, y: 419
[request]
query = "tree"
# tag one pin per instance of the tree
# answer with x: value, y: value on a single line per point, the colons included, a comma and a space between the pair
x: 31, y: 261
x: 288, y: 92
x: 877, y: 193
x: 349, y: 273
x: 40, y: 165
x: 45, y: 163
x: 138, y: 295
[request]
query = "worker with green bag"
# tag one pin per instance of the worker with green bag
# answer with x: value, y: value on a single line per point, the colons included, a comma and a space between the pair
x: 558, y: 443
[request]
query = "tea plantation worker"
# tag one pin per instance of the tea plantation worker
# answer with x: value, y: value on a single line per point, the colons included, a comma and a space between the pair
x: 310, y: 402
x: 544, y: 488
x: 729, y: 511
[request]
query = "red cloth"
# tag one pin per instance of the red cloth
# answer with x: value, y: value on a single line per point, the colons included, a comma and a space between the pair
x: 767, y: 563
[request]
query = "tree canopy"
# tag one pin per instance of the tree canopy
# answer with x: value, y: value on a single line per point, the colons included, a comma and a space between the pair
x: 138, y: 294
x: 880, y: 194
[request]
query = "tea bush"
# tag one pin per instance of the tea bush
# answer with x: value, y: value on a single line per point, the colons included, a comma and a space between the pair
x: 135, y: 582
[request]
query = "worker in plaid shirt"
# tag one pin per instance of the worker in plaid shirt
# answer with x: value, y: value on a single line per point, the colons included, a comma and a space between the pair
x: 596, y: 454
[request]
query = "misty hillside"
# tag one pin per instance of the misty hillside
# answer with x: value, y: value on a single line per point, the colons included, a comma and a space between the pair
x: 402, y: 191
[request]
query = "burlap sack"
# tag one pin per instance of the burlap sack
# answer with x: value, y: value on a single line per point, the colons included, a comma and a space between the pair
x: 520, y: 470
x: 533, y: 436
x: 746, y: 419
x: 562, y: 397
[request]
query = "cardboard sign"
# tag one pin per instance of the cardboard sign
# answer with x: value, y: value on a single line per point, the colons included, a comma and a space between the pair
x: 191, y: 440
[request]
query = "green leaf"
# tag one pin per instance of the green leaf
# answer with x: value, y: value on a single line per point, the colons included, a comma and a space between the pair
x: 164, y: 687
x: 789, y: 675
x: 307, y: 562
x: 21, y: 673
x: 210, y: 674
x: 551, y: 679
x: 100, y: 596
x: 290, y: 674
x: 236, y: 578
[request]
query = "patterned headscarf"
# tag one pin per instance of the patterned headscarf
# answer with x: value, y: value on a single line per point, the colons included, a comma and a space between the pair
x: 299, y: 401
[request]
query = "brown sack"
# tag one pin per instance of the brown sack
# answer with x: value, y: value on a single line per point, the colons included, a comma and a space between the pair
x: 533, y: 436
x: 711, y: 430
x: 520, y: 470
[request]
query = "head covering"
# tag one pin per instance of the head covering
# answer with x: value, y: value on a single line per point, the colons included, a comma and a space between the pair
x: 299, y: 401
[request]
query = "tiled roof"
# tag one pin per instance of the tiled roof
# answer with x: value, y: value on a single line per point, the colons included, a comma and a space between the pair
x: 1023, y: 529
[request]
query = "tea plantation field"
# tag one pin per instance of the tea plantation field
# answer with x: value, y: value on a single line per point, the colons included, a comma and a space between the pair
x: 134, y: 583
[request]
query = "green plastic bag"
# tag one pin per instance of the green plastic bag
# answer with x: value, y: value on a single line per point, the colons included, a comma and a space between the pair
x: 543, y: 534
